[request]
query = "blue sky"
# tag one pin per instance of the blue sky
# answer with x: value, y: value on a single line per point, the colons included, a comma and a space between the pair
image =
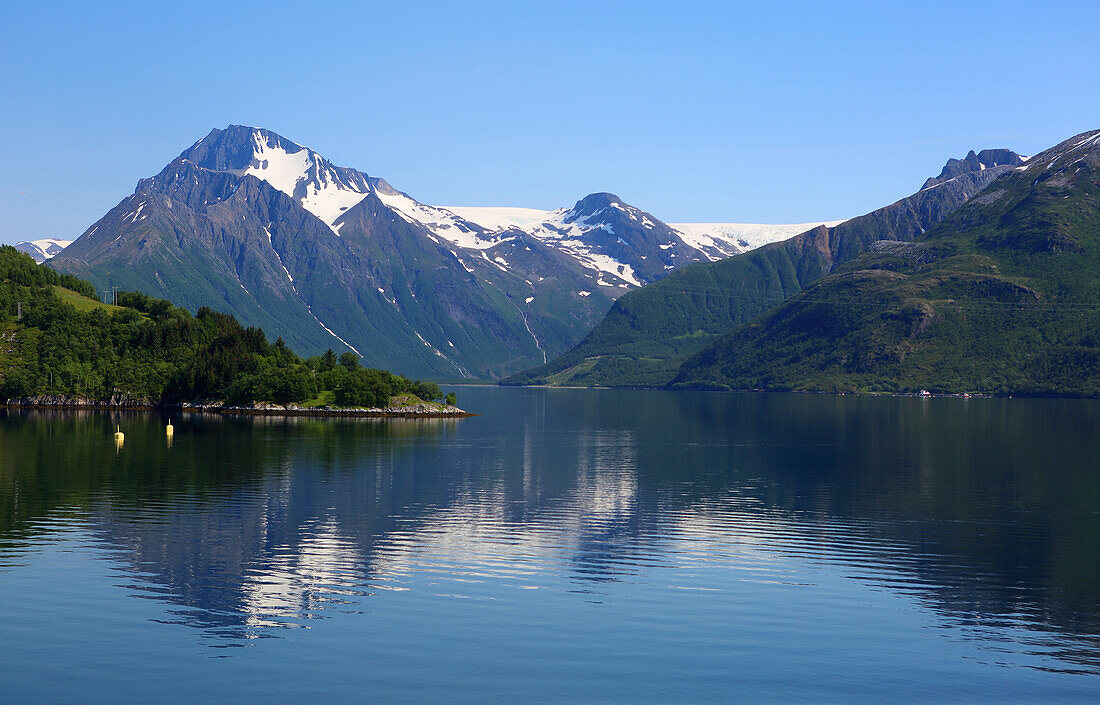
x: 751, y: 112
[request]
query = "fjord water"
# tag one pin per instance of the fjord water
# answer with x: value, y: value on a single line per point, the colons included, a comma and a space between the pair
x: 563, y: 546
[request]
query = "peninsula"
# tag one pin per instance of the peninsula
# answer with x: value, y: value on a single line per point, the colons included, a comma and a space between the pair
x: 63, y: 347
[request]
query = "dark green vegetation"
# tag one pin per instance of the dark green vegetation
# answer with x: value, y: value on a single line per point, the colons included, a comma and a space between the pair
x: 146, y: 350
x: 1003, y: 297
x: 650, y: 332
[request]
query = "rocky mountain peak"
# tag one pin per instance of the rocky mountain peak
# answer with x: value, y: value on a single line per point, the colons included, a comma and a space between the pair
x: 594, y: 202
x: 235, y: 148
x: 607, y: 209
x: 975, y: 161
x: 321, y: 187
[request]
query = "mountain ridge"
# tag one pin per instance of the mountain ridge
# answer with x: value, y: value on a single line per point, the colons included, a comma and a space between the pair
x: 648, y: 333
x: 322, y: 255
x: 1003, y: 297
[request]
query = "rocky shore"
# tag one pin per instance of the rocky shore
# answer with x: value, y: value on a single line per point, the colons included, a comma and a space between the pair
x: 418, y: 409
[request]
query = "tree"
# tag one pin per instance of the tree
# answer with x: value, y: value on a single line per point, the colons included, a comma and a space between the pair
x: 428, y: 391
x: 328, y: 360
x: 350, y: 361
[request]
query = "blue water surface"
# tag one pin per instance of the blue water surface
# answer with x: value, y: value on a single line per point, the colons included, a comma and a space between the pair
x: 581, y: 546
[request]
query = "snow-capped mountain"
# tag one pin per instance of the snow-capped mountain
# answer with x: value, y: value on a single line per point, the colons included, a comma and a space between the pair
x: 323, y: 189
x: 42, y: 250
x: 249, y: 222
x: 586, y: 232
x: 713, y: 241
x: 581, y: 231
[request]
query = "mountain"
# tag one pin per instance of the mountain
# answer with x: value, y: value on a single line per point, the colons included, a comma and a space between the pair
x: 648, y: 333
x: 249, y: 222
x: 1002, y: 297
x: 42, y: 250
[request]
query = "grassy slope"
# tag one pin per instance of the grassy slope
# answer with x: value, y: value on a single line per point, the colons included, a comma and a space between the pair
x: 649, y: 332
x: 1003, y: 297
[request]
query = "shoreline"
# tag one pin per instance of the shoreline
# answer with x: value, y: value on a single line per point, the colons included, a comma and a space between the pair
x: 422, y: 410
x: 918, y: 395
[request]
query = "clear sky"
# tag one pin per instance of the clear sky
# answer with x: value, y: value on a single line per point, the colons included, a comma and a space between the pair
x: 727, y: 111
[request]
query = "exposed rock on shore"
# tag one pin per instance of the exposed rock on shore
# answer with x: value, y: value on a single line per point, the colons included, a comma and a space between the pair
x: 122, y: 401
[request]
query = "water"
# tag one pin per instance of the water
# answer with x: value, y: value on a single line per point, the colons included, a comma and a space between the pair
x: 565, y: 546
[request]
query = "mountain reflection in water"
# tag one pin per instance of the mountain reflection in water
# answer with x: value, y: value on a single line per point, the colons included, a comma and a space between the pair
x: 986, y: 512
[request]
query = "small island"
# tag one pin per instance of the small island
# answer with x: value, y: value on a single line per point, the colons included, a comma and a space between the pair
x: 61, y: 347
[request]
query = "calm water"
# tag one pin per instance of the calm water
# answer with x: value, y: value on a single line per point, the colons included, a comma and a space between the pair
x: 565, y: 546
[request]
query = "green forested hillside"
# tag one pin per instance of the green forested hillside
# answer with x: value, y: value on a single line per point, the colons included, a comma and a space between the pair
x: 1003, y: 297
x: 69, y: 343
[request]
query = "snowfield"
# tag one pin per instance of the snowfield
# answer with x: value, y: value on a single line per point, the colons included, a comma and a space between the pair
x: 709, y: 237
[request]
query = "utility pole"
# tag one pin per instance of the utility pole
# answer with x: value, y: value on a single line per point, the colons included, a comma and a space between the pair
x: 19, y: 311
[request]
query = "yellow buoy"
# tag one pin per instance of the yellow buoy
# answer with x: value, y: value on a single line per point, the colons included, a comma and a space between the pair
x: 119, y: 438
x: 170, y: 429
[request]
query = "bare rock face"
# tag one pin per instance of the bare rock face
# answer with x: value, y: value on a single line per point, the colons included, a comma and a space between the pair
x: 983, y: 160
x: 68, y: 401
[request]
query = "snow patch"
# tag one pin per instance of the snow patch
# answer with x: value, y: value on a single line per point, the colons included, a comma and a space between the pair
x: 280, y: 258
x: 720, y: 240
x: 443, y: 222
x: 329, y: 330
x: 306, y: 177
x: 502, y: 218
x: 551, y: 228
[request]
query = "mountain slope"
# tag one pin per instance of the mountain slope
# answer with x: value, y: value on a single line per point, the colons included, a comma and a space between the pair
x: 648, y: 333
x: 1002, y: 297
